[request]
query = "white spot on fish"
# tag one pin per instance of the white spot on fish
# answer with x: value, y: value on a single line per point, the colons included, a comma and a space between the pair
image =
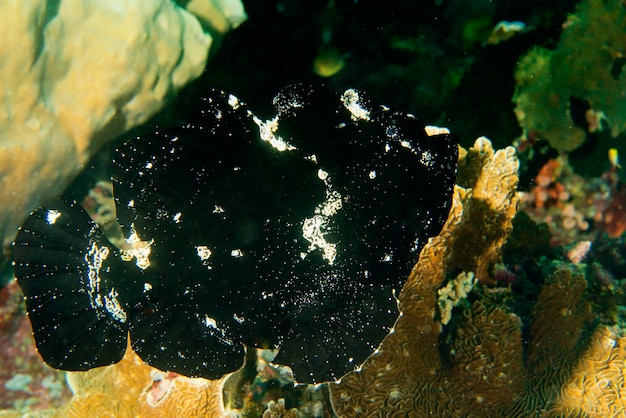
x: 203, y: 252
x: 233, y: 101
x: 352, y: 102
x: 52, y: 216
x: 267, y: 131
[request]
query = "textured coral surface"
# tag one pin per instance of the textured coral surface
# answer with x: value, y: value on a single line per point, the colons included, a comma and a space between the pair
x: 76, y: 74
x: 131, y: 388
x: 487, y: 364
x: 407, y: 374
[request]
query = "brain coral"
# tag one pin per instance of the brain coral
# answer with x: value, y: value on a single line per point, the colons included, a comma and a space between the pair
x: 406, y: 374
x: 131, y: 389
x: 480, y: 367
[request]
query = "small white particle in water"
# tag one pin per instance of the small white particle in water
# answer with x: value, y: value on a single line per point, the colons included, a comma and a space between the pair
x: 149, y: 165
x: 238, y: 318
x: 323, y: 175
x: 218, y: 209
x: 387, y: 147
x: 131, y: 204
x: 236, y: 253
x: 387, y: 258
x: 147, y: 287
x: 372, y: 174
x: 266, y: 295
x: 52, y: 216
x: 177, y: 217
x: 426, y: 159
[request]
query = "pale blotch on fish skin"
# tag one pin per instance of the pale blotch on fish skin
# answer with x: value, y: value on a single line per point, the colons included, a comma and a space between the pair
x: 136, y: 248
x: 351, y: 101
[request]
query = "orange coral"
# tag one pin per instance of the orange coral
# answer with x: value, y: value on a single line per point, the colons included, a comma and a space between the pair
x: 614, y: 219
x: 596, y: 384
x: 566, y: 365
x: 548, y: 190
x: 131, y: 388
x: 407, y: 374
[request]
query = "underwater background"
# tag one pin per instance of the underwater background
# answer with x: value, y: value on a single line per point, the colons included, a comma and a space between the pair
x: 515, y: 309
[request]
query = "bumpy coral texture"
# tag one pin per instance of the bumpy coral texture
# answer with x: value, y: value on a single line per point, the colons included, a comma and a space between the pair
x: 407, y: 374
x: 586, y: 65
x: 131, y: 388
x: 480, y: 368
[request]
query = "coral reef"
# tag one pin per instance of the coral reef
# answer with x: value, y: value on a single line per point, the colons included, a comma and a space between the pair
x: 406, y: 374
x: 491, y: 360
x: 576, y: 88
x: 574, y: 207
x: 76, y: 74
x: 614, y: 216
x: 25, y: 382
x: 569, y: 365
x: 131, y: 388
